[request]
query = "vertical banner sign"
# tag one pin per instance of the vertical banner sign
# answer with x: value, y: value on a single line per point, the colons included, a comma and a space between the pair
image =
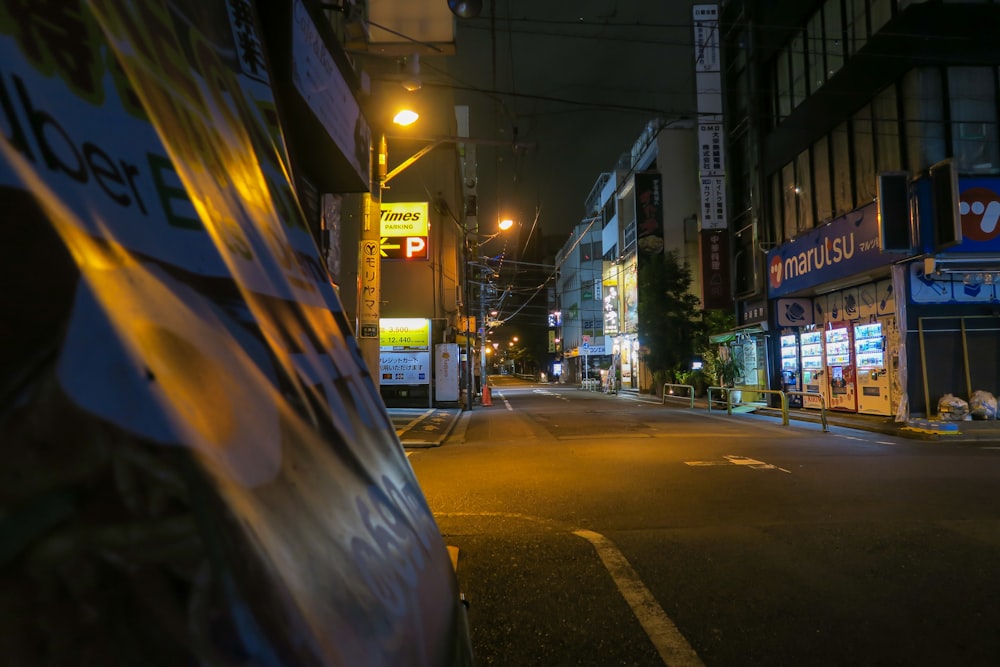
x: 715, y: 270
x: 368, y: 304
x: 649, y: 212
x: 711, y: 132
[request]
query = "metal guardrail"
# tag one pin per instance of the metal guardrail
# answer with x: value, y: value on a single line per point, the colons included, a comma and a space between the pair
x: 784, y: 401
x: 590, y: 384
x: 822, y: 405
x: 690, y: 395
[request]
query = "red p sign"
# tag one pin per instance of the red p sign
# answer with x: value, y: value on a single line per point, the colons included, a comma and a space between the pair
x: 416, y: 247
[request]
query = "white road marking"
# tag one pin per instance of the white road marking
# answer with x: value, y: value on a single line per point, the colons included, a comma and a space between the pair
x: 734, y: 459
x: 668, y: 640
x: 504, y: 399
x: 547, y: 392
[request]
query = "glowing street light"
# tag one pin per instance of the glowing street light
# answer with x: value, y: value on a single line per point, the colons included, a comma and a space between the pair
x: 405, y: 117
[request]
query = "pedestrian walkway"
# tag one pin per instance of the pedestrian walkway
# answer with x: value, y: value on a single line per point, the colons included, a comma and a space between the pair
x: 922, y: 429
x: 424, y: 427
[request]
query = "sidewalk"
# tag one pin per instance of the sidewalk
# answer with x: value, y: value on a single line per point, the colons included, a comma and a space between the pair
x: 917, y: 428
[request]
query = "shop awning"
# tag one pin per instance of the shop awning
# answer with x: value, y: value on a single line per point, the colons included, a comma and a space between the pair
x: 729, y: 336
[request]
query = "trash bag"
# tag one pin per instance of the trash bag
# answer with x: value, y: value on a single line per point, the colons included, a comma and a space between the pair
x: 953, y: 409
x: 983, y: 405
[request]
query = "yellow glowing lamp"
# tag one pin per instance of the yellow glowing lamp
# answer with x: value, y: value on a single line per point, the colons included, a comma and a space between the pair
x: 405, y: 117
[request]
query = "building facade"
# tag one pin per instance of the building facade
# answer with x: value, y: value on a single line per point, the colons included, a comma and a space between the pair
x: 863, y: 176
x: 646, y: 206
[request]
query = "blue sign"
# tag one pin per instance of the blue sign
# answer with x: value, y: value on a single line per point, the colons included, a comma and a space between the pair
x: 979, y: 205
x: 843, y: 247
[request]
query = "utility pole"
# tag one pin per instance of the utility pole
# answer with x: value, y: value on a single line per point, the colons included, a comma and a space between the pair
x: 370, y: 265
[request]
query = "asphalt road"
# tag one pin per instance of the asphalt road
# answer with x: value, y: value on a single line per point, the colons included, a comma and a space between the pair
x: 612, y: 531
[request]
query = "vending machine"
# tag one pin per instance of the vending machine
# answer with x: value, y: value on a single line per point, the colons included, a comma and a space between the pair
x: 811, y: 350
x: 873, y: 374
x: 840, y: 383
x: 790, y: 374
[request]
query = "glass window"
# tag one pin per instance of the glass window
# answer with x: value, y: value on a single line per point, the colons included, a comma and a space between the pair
x: 923, y: 115
x: 865, y: 183
x: 881, y: 11
x: 885, y: 120
x: 803, y: 191
x: 783, y: 86
x: 833, y: 30
x: 840, y: 158
x: 821, y: 180
x: 814, y: 44
x: 788, y: 195
x: 857, y: 25
x: 972, y: 101
x: 777, y: 207
x: 798, y: 62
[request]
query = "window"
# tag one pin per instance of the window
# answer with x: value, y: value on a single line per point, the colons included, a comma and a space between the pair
x: 797, y: 60
x: 777, y: 207
x: 738, y: 78
x: 821, y: 180
x: 790, y: 212
x: 885, y: 120
x: 857, y: 25
x: 783, y: 88
x: 865, y: 182
x: 840, y: 154
x: 923, y: 115
x: 814, y: 40
x: 833, y: 31
x: 881, y: 14
x: 803, y: 191
x: 972, y: 101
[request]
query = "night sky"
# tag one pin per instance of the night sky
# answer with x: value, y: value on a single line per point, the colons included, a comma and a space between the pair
x: 576, y: 80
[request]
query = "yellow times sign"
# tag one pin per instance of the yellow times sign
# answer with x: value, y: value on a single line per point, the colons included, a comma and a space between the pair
x: 396, y: 333
x: 403, y: 219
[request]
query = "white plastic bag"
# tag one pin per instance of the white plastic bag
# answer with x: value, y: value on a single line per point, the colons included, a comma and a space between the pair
x: 983, y: 405
x: 953, y: 409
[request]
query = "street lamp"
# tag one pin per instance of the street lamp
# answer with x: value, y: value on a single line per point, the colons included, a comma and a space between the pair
x: 486, y: 272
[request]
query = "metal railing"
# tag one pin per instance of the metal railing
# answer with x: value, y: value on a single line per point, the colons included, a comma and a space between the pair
x: 822, y: 404
x: 690, y: 395
x: 783, y: 398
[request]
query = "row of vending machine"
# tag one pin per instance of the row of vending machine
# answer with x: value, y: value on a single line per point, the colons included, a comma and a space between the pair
x: 845, y: 362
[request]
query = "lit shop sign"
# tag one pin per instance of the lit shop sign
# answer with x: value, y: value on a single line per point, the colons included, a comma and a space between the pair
x: 403, y: 229
x: 403, y: 247
x: 404, y: 333
x: 843, y: 247
x: 979, y: 206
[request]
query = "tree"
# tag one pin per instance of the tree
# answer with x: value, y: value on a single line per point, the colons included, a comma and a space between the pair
x: 669, y: 315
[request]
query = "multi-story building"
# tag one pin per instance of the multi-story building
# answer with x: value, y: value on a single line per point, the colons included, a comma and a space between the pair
x: 394, y: 219
x: 579, y: 287
x: 864, y: 194
x: 647, y: 205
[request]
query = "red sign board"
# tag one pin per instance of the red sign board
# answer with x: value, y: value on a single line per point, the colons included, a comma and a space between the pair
x: 403, y: 247
x: 716, y: 290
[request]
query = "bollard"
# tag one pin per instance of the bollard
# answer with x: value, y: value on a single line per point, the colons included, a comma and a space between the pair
x: 486, y: 395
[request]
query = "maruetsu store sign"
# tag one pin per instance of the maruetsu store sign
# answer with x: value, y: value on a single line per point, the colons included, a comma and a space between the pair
x: 403, y: 230
x: 845, y: 246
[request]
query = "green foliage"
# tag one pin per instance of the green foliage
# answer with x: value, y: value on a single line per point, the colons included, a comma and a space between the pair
x: 669, y: 315
x: 724, y: 370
